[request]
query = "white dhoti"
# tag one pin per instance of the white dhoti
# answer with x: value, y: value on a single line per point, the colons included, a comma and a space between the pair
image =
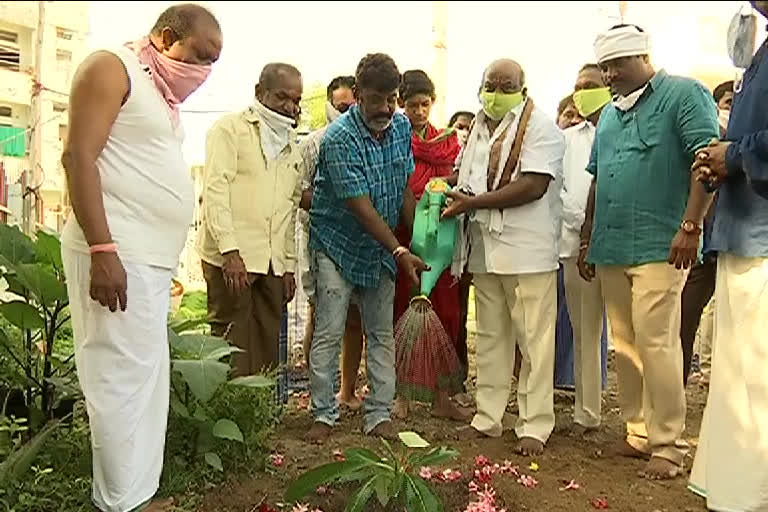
x: 124, y: 369
x: 731, y: 466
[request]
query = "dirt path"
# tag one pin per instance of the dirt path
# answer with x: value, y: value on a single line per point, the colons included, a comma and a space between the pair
x: 567, y: 458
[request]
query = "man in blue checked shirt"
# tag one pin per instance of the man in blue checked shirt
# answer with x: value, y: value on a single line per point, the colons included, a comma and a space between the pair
x: 360, y: 196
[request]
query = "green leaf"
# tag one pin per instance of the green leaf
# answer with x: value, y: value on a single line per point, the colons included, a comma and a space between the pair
x: 419, y: 498
x: 180, y: 325
x: 357, y: 476
x: 391, y: 453
x: 314, y: 478
x: 252, y: 381
x: 413, y: 440
x: 433, y: 457
x: 214, y: 461
x: 48, y: 249
x: 205, y: 440
x: 22, y: 315
x: 227, y: 429
x: 360, y: 499
x: 397, y: 485
x: 19, y: 462
x: 15, y: 246
x: 202, y: 377
x: 199, y: 346
x: 362, y: 454
x: 42, y: 283
x: 14, y: 286
x: 201, y: 415
x: 382, y: 486
x: 179, y: 408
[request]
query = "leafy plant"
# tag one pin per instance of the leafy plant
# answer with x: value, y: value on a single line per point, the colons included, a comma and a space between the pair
x: 199, y: 374
x: 392, y: 477
x: 36, y: 305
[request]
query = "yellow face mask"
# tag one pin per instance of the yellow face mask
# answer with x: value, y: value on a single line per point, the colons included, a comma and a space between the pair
x: 497, y: 104
x: 589, y: 101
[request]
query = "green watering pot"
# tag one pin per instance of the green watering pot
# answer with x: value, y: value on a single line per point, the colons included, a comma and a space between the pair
x: 433, y: 238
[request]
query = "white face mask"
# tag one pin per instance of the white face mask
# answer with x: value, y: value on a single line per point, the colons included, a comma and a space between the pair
x: 462, y: 135
x: 625, y: 103
x: 741, y: 38
x: 723, y: 116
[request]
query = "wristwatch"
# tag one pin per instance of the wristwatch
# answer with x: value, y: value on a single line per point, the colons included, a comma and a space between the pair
x: 690, y: 228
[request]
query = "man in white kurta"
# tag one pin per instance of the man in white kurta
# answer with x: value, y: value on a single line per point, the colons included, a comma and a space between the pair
x: 731, y: 466
x: 513, y: 229
x: 585, y: 299
x: 133, y: 201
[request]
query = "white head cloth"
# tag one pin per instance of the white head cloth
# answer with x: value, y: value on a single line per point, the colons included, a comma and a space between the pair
x: 625, y: 41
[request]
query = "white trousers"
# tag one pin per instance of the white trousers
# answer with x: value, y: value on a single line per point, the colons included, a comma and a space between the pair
x: 585, y: 308
x: 500, y: 326
x: 731, y: 465
x: 123, y: 366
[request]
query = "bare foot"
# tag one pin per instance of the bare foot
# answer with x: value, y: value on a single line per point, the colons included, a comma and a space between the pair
x: 384, y: 430
x: 352, y: 403
x: 624, y: 449
x: 529, y: 447
x: 400, y: 410
x: 451, y: 411
x: 581, y: 431
x: 463, y: 400
x: 659, y: 468
x: 159, y: 505
x: 319, y: 433
x: 470, y: 433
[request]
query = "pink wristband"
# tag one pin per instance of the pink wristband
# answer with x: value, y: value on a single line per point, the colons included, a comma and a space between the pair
x: 112, y: 247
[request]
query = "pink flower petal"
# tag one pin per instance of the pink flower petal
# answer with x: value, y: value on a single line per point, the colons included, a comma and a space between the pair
x: 425, y: 472
x: 277, y: 460
x: 571, y: 486
x: 339, y: 456
x: 481, y: 460
x: 528, y: 481
x: 600, y: 503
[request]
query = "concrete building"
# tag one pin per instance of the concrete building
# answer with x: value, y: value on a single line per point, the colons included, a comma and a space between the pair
x: 64, y: 46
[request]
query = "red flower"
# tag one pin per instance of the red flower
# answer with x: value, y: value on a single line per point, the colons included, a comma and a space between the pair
x: 481, y: 461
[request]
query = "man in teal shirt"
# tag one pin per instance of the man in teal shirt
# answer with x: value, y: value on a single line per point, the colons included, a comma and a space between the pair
x: 642, y: 231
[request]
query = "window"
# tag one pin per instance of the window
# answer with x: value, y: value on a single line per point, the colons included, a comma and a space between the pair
x: 9, y: 50
x: 64, y: 56
x: 64, y: 63
x: 63, y: 33
x: 9, y: 37
x: 6, y: 111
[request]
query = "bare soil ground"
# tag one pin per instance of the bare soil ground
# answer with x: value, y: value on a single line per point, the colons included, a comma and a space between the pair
x: 586, y: 461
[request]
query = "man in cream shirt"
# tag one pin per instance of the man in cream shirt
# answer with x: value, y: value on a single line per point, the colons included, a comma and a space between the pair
x: 585, y: 300
x: 511, y: 168
x: 251, y: 193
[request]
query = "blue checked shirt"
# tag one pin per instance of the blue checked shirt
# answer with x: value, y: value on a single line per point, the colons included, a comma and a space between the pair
x: 353, y: 164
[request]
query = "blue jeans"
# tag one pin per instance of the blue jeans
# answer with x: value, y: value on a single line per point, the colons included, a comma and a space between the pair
x: 332, y: 300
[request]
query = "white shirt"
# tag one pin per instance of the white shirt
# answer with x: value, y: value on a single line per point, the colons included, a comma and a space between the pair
x: 576, y: 183
x: 148, y: 192
x: 528, y: 240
